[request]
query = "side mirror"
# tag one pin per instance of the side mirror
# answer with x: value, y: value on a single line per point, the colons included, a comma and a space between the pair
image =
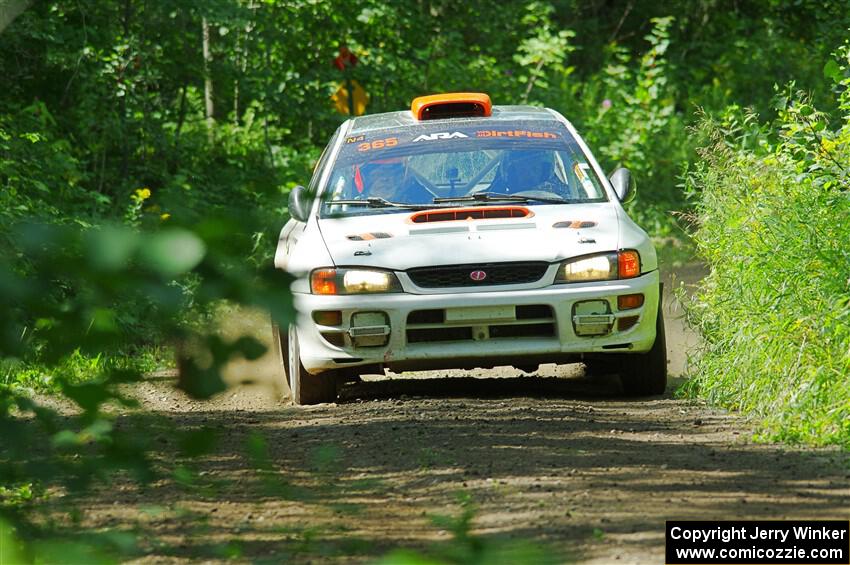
x: 624, y: 185
x: 299, y: 203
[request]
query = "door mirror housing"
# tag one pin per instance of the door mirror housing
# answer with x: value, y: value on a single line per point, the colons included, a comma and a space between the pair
x: 624, y: 185
x: 299, y: 203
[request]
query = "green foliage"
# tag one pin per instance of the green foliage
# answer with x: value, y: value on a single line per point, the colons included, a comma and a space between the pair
x: 63, y: 306
x: 773, y: 225
x: 641, y: 105
x: 629, y: 115
x: 544, y: 52
x: 106, y: 99
x: 39, y: 175
x: 78, y: 367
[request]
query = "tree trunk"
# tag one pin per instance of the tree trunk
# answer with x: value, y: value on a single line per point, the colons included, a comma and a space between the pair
x: 181, y: 118
x: 208, y: 84
x: 125, y: 135
x: 11, y: 9
x: 243, y: 41
x: 239, y: 52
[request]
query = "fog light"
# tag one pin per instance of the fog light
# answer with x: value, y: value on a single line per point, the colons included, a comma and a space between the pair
x: 592, y: 317
x: 629, y: 301
x: 626, y: 322
x: 328, y: 317
x: 369, y: 329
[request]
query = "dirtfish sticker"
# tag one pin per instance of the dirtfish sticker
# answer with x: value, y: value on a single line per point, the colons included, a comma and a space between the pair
x: 516, y: 133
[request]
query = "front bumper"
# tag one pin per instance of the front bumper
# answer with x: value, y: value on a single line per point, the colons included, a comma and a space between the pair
x: 466, y: 340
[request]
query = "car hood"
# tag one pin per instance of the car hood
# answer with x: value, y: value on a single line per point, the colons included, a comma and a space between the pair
x: 393, y: 241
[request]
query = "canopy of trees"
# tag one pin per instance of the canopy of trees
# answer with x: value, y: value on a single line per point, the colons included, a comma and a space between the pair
x: 216, y: 103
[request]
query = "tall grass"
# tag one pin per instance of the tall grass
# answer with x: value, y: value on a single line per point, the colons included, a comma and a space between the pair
x: 773, y: 224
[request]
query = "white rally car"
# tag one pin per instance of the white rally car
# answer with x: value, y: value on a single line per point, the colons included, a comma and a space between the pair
x: 460, y: 235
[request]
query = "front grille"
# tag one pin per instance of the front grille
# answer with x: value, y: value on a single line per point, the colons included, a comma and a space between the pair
x: 496, y: 274
x: 426, y: 317
x: 532, y: 320
x: 528, y: 330
x: 426, y: 335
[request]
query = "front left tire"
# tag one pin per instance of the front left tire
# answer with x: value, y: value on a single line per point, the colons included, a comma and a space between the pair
x: 304, y: 388
x: 645, y: 374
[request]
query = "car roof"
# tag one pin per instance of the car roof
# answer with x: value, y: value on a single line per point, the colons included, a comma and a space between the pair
x: 363, y: 124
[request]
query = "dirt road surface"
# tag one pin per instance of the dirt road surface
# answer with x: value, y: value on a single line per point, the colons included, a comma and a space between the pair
x: 560, y: 461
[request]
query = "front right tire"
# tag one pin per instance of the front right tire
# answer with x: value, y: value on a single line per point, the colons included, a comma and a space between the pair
x: 645, y: 374
x: 304, y: 388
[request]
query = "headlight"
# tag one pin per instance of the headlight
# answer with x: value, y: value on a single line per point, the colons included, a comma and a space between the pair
x: 605, y: 267
x: 352, y: 281
x: 599, y: 268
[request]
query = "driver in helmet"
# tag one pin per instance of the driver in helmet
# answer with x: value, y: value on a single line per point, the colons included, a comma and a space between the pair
x: 390, y: 180
x: 527, y: 170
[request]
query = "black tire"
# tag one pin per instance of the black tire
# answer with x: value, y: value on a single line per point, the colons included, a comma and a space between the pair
x: 304, y: 388
x: 601, y: 367
x: 645, y: 374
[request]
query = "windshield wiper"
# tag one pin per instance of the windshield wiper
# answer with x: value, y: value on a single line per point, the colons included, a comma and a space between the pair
x: 375, y: 202
x: 495, y: 197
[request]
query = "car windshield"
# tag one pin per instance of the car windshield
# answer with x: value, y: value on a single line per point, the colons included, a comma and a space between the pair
x: 433, y: 165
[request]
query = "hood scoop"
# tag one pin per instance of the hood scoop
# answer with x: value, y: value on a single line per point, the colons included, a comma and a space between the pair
x: 478, y: 213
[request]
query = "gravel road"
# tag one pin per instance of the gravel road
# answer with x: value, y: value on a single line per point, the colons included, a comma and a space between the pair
x: 562, y: 462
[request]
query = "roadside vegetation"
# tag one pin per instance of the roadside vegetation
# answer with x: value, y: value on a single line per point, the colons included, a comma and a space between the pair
x: 773, y: 224
x: 147, y: 150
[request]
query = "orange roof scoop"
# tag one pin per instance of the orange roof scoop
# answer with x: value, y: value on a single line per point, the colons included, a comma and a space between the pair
x: 451, y: 105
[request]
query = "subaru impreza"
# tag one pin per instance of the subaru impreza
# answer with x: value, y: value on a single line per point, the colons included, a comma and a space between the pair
x: 459, y: 234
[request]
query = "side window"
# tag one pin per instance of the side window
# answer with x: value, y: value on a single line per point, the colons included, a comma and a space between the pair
x: 321, y: 164
x: 317, y: 170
